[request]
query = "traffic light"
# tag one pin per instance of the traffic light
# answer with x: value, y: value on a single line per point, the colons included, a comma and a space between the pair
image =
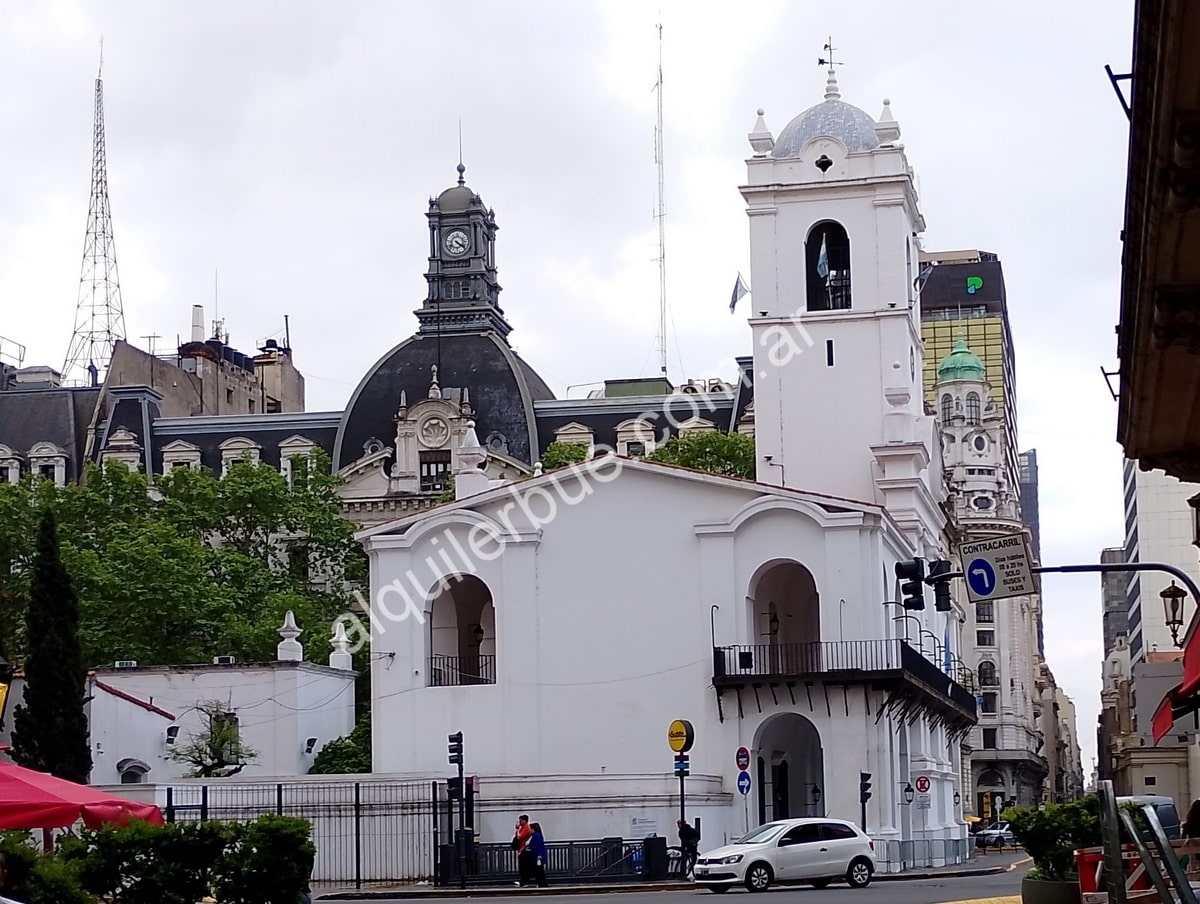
x: 940, y: 584
x: 912, y: 573
x: 456, y: 749
x: 864, y: 787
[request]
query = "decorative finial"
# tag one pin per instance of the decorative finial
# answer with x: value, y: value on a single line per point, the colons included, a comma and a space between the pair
x: 435, y: 391
x: 340, y: 658
x: 537, y: 469
x: 289, y: 649
x: 461, y: 169
x: 831, y: 85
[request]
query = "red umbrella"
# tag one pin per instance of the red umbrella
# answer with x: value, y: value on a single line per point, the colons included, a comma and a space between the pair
x: 35, y: 800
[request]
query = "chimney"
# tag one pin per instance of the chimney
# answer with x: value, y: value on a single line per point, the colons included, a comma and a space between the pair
x: 197, y: 323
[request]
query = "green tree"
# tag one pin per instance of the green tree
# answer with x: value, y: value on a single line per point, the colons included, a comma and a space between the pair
x: 348, y: 755
x: 50, y: 732
x: 730, y: 454
x: 559, y: 455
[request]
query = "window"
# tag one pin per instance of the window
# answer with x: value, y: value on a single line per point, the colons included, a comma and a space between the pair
x: 985, y: 638
x: 985, y: 613
x: 987, y: 674
x: 947, y: 408
x: 805, y: 834
x: 435, y: 467
x: 1151, y: 781
x: 990, y: 703
x: 637, y: 450
x: 980, y: 443
x: 46, y: 471
x: 832, y: 830
x: 989, y: 739
x: 457, y: 288
x: 252, y: 406
x: 225, y: 734
x: 229, y: 396
x: 827, y: 267
x: 972, y: 408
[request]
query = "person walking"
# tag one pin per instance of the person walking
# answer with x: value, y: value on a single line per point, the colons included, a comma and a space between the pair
x: 689, y: 845
x: 520, y: 844
x: 537, y: 849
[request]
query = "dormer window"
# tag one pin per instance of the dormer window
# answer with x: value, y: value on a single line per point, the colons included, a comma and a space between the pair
x: 635, y: 438
x: 238, y: 449
x: 180, y: 454
x: 10, y: 465
x: 49, y: 461
x: 293, y: 457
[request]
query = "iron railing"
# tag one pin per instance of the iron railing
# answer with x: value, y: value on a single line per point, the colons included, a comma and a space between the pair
x: 453, y: 671
x: 574, y: 862
x: 840, y: 660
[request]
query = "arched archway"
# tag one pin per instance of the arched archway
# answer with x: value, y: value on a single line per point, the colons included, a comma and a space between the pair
x: 992, y: 795
x: 791, y: 768
x: 785, y: 613
x: 462, y: 633
x: 827, y: 267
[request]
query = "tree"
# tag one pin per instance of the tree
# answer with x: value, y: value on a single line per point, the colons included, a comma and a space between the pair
x: 50, y: 731
x: 348, y: 755
x: 218, y: 751
x: 730, y: 454
x: 559, y: 455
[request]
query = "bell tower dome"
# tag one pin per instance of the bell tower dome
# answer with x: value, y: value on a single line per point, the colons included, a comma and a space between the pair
x: 834, y: 226
x: 464, y: 294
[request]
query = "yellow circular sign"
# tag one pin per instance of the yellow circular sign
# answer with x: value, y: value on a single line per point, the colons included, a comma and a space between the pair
x: 681, y: 736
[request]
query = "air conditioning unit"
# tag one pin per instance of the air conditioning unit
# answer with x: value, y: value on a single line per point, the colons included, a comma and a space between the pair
x: 224, y: 660
x: 125, y: 664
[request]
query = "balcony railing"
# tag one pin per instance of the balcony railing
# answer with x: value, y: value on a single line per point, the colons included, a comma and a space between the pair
x: 840, y: 661
x: 454, y: 671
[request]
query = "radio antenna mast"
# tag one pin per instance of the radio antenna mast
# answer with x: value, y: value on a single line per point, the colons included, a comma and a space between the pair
x: 661, y: 217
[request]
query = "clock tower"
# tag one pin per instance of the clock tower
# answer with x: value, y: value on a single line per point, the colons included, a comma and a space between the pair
x: 463, y: 291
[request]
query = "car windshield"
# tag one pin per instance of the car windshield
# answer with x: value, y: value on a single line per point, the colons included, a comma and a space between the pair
x: 762, y: 833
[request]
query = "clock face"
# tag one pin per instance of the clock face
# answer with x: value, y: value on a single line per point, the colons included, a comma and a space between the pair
x: 457, y: 242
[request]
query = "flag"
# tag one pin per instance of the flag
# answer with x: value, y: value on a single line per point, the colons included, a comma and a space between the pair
x: 823, y: 261
x: 739, y: 289
x: 946, y: 648
x: 919, y: 282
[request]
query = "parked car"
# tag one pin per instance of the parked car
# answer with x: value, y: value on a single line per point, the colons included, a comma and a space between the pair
x: 790, y: 851
x: 998, y: 834
x: 1164, y: 809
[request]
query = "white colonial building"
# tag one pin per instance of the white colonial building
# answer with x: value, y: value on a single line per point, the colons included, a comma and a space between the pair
x: 561, y: 622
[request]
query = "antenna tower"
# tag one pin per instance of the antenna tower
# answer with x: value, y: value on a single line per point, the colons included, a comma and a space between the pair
x: 99, y: 322
x: 661, y: 217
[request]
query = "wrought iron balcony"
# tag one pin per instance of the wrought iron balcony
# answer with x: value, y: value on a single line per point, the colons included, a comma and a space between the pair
x: 453, y: 671
x: 888, y: 665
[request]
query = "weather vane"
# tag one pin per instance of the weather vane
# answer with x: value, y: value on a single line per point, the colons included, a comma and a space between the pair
x: 822, y: 61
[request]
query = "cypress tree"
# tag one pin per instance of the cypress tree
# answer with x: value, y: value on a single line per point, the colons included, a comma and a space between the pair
x: 50, y: 731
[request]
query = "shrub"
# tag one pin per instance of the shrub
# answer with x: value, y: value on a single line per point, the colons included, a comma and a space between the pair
x: 269, y: 862
x: 1052, y: 834
x: 36, y: 878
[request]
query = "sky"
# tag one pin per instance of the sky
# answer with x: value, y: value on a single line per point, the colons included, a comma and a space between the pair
x: 276, y: 158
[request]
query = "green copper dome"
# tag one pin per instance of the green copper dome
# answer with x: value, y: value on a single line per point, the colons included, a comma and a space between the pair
x: 961, y: 364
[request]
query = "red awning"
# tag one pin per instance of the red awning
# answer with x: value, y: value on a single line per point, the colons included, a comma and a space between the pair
x: 1191, y: 666
x: 1164, y: 716
x: 35, y: 800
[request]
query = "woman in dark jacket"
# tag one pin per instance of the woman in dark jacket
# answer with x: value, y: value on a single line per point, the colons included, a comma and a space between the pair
x: 537, y: 846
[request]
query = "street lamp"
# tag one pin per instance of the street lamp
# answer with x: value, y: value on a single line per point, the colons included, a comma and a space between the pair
x: 1173, y: 598
x: 477, y: 633
x: 6, y: 677
x: 816, y: 794
x: 773, y: 624
x: 909, y: 793
x: 957, y: 798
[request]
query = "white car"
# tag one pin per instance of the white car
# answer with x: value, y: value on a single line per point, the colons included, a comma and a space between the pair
x: 812, y: 851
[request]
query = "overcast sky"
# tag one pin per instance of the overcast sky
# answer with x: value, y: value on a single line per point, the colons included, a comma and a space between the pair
x: 291, y: 147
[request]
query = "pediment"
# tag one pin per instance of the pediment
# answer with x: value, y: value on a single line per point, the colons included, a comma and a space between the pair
x: 573, y: 427
x: 47, y: 450
x: 297, y: 441
x: 239, y: 444
x: 180, y: 447
x: 7, y: 454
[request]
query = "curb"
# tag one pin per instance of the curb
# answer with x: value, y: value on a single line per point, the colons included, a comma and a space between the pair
x: 505, y: 890
x: 1011, y: 899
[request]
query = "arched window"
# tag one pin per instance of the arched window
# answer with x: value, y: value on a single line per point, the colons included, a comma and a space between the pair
x: 991, y: 779
x: 827, y: 267
x: 972, y: 408
x: 133, y: 772
x: 987, y: 674
x: 947, y: 408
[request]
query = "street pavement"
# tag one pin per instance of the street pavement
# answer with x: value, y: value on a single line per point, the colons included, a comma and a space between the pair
x: 933, y: 887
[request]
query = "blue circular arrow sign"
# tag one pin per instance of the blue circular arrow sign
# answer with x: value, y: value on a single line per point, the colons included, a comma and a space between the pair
x: 744, y: 782
x: 982, y: 577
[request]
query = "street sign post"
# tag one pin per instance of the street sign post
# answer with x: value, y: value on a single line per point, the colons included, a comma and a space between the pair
x: 997, y: 569
x: 680, y: 738
x: 924, y: 801
x: 743, y: 759
x: 743, y: 783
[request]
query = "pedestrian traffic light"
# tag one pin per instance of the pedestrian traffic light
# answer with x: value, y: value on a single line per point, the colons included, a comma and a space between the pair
x: 456, y: 748
x: 912, y: 573
x: 864, y: 787
x: 940, y: 583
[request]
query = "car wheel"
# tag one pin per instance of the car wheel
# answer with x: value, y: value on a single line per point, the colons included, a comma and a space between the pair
x: 758, y: 877
x: 859, y: 873
x: 820, y: 883
x: 718, y: 889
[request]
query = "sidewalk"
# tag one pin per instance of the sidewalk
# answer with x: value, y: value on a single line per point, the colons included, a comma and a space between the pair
x: 980, y: 865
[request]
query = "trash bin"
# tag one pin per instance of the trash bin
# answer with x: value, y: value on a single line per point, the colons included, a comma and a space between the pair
x: 654, y: 858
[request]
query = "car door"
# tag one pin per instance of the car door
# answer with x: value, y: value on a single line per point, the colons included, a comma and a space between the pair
x: 796, y: 853
x: 839, y: 845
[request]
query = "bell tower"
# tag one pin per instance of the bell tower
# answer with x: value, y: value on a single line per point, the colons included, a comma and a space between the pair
x: 463, y: 290
x: 834, y: 226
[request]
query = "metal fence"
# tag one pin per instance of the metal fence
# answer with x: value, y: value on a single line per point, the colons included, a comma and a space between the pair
x: 573, y: 862
x: 895, y: 856
x: 364, y: 831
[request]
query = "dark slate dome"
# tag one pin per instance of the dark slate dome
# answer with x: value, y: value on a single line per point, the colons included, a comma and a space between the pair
x: 458, y: 197
x: 502, y: 391
x: 834, y: 118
